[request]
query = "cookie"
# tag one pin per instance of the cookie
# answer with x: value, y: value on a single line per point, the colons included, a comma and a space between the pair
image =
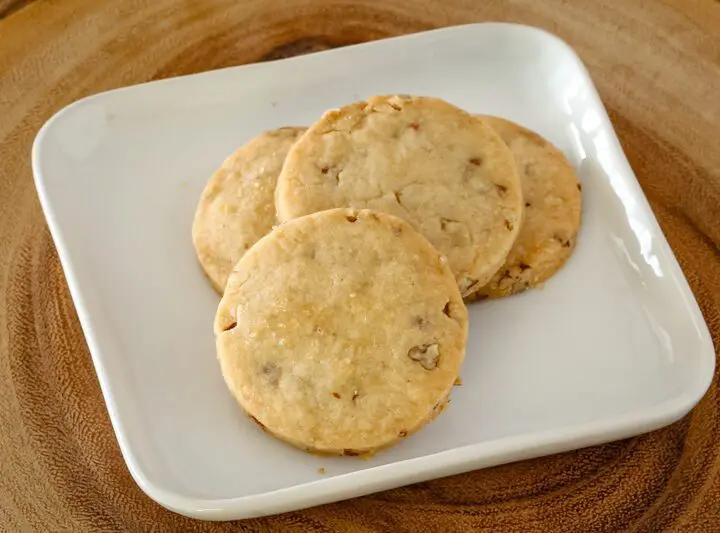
x: 237, y: 206
x: 439, y: 168
x: 341, y: 332
x: 552, y: 212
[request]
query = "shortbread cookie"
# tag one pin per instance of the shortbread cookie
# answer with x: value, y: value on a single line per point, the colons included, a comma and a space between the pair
x: 444, y: 171
x: 552, y: 212
x: 237, y: 206
x: 341, y: 332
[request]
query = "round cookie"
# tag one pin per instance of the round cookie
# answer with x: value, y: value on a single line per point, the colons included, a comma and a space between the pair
x: 341, y: 332
x: 237, y: 206
x: 552, y: 212
x: 439, y: 168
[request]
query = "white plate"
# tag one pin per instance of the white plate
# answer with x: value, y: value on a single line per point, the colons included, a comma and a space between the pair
x: 613, y: 346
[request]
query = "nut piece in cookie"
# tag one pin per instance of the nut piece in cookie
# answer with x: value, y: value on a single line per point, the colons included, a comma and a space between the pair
x: 425, y: 354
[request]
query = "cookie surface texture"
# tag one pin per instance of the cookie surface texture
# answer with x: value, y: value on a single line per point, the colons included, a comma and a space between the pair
x: 341, y: 332
x: 552, y: 195
x: 439, y: 168
x: 237, y: 206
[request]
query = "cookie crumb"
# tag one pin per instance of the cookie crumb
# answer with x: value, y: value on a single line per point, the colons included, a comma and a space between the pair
x: 321, y: 471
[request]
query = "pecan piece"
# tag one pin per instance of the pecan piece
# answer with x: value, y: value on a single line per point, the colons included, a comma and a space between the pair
x: 420, y: 322
x: 271, y: 372
x: 565, y: 243
x: 425, y: 354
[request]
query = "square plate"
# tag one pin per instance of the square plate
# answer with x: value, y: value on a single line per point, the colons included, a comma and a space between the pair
x: 612, y: 346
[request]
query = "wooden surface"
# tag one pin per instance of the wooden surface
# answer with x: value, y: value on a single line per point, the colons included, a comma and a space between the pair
x: 656, y: 65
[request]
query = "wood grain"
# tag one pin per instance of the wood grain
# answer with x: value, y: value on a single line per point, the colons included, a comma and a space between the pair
x: 657, y: 66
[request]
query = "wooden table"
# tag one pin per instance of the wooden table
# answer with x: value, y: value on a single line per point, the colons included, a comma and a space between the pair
x: 657, y: 66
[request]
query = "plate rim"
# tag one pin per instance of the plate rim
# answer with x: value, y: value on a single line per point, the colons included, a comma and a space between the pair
x: 440, y: 464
